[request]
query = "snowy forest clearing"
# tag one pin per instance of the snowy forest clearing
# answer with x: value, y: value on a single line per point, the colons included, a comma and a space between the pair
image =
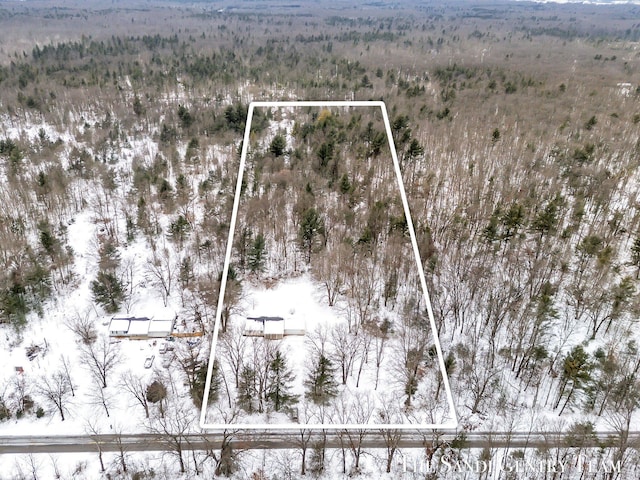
x: 516, y: 129
x: 352, y: 220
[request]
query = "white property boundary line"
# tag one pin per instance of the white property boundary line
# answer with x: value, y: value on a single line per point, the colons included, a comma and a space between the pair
x: 236, y: 202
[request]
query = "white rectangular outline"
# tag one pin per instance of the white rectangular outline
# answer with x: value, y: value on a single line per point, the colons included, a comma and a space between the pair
x: 453, y: 424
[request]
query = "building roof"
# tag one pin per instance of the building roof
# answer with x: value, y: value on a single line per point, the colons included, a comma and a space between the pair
x: 294, y: 326
x: 293, y: 322
x: 139, y: 326
x: 251, y: 325
x: 274, y: 328
x: 266, y: 319
x: 160, y: 326
x: 130, y: 318
x: 119, y: 325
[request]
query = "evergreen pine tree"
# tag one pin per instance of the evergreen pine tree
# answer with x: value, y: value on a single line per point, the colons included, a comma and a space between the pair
x: 247, y: 389
x: 256, y: 254
x: 577, y: 371
x: 278, y: 145
x: 197, y: 391
x: 107, y: 291
x: 321, y: 384
x: 311, y: 226
x: 138, y: 109
x: 345, y: 184
x: 279, y: 386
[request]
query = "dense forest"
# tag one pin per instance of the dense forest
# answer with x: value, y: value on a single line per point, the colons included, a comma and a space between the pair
x: 517, y: 130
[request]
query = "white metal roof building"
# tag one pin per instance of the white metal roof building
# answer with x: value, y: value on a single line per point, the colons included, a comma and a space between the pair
x: 294, y: 326
x: 160, y: 328
x: 119, y: 326
x: 140, y: 327
x: 253, y: 328
x: 273, y: 328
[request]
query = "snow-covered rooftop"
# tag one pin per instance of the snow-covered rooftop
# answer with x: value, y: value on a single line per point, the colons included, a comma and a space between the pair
x: 274, y: 328
x: 160, y: 327
x: 119, y: 325
x: 139, y: 327
x: 253, y: 327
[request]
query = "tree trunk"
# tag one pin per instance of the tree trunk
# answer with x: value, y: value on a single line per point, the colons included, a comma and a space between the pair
x: 389, y: 462
x: 391, y: 451
x: 123, y: 463
x: 180, y: 459
x: 567, y: 401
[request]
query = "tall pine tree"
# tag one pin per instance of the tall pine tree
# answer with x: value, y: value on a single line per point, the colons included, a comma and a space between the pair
x: 247, y: 389
x: 321, y: 383
x: 257, y: 253
x: 279, y: 386
x: 311, y: 227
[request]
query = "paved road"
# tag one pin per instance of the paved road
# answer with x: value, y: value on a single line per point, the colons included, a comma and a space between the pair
x: 284, y: 440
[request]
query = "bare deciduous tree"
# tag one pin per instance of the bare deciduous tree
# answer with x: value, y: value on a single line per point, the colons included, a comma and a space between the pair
x: 389, y: 413
x: 122, y: 451
x: 226, y: 460
x: 263, y: 354
x: 358, y: 409
x: 362, y: 407
x: 233, y: 345
x: 345, y: 348
x: 83, y: 325
x: 91, y: 428
x: 100, y: 358
x: 133, y: 384
x: 178, y: 421
x: 161, y: 267
x: 67, y: 371
x: 189, y: 357
x: 362, y: 284
x: 55, y: 389
x: 303, y: 438
x: 31, y: 463
x: 128, y: 275
x: 327, y: 268
x: 378, y: 336
x: 100, y: 397
x: 408, y: 361
x: 21, y: 394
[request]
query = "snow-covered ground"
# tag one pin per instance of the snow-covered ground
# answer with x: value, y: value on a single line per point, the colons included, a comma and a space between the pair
x: 57, y: 343
x: 56, y: 348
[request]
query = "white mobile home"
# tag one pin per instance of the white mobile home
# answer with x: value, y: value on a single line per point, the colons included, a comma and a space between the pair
x: 141, y: 327
x: 273, y: 328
